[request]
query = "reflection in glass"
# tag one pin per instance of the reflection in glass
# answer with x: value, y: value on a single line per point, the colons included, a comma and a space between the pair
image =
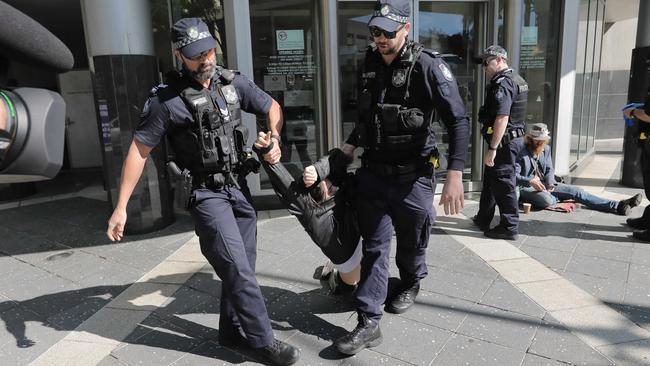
x: 285, y: 63
x: 580, y: 71
x: 450, y: 29
x: 540, y: 36
x: 354, y: 38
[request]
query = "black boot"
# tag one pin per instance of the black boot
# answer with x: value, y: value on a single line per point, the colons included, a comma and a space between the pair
x: 404, y: 299
x: 638, y: 223
x: 279, y: 353
x: 366, y: 334
x: 232, y: 338
x: 483, y: 227
x: 338, y: 286
x: 642, y: 235
x: 499, y: 232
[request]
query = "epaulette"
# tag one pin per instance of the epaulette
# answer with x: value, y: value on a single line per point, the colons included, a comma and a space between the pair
x: 431, y: 52
x: 227, y: 75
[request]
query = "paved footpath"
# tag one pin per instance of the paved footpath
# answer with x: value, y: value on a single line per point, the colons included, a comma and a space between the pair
x: 573, y: 290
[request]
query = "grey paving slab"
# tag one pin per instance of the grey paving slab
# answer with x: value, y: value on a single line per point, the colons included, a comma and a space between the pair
x: 210, y: 354
x: 554, y: 341
x: 476, y: 352
x: 111, y: 361
x: 505, y: 296
x: 628, y: 354
x: 439, y: 310
x: 501, y: 327
x: 456, y: 284
x: 641, y: 256
x: 182, y: 301
x: 598, y: 267
x: 554, y: 259
x: 637, y: 294
x: 640, y: 315
x: 606, y: 289
x: 551, y: 242
x: 162, y: 346
x: 606, y: 250
x: 533, y: 360
x: 466, y: 261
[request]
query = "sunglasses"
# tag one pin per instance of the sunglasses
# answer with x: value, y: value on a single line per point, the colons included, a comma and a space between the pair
x: 487, y: 61
x: 202, y: 55
x: 377, y: 32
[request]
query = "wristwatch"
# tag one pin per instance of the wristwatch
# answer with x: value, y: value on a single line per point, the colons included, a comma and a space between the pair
x: 277, y: 138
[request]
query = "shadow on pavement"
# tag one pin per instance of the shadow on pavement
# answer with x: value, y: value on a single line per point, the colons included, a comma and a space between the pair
x: 70, y: 223
x: 186, y: 323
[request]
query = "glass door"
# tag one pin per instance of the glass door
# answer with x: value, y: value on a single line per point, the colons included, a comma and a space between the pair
x: 452, y: 29
x: 286, y: 64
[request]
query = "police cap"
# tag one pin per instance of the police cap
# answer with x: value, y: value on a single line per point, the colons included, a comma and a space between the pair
x: 390, y: 14
x: 492, y: 51
x: 192, y: 37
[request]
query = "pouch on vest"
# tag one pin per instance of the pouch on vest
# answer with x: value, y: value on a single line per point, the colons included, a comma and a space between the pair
x: 411, y: 119
x: 389, y: 117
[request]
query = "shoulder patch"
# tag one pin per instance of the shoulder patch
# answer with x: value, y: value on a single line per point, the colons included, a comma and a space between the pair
x: 499, y: 95
x: 446, y: 72
x: 146, y: 110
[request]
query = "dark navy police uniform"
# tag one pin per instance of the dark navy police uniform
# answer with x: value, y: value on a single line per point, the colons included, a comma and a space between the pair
x: 507, y: 94
x: 225, y: 219
x: 395, y: 182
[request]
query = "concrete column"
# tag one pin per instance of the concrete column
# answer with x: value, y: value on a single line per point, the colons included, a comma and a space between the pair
x: 639, y: 83
x: 330, y: 64
x: 514, y: 11
x: 124, y: 69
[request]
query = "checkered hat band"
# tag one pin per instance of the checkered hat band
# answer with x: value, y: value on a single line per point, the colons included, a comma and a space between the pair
x: 391, y: 16
x: 187, y: 40
x: 495, y: 53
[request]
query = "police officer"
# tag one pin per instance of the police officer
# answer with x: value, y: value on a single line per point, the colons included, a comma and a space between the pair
x: 642, y: 116
x: 199, y: 112
x: 502, y: 117
x: 401, y: 83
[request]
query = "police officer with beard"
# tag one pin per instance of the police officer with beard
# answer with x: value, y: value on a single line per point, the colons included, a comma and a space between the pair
x: 401, y: 83
x: 502, y: 117
x: 199, y: 112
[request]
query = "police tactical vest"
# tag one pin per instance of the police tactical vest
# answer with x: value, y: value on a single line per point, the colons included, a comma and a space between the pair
x: 216, y: 140
x: 518, y: 109
x: 395, y: 127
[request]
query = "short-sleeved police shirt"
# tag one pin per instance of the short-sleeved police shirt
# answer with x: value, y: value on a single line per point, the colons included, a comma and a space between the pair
x: 166, y: 107
x: 504, y: 94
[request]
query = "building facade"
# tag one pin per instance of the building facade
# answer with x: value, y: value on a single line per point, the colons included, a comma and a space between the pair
x: 306, y: 54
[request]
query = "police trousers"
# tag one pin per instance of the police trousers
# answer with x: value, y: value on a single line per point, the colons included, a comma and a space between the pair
x: 499, y: 188
x: 226, y: 224
x: 645, y: 170
x: 384, y: 203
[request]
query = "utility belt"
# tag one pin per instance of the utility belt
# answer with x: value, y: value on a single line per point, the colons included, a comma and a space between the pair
x: 400, y: 171
x: 215, y: 180
x: 508, y: 136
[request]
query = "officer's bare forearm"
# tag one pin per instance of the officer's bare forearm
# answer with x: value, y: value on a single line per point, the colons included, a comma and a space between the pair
x: 275, y: 118
x: 131, y: 171
x: 641, y: 115
x: 500, y: 125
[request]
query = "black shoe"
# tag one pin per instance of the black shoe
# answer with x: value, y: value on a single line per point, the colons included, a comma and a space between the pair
x: 500, y: 233
x: 279, y: 353
x: 642, y: 235
x: 635, y: 200
x: 404, y: 299
x: 639, y: 223
x: 232, y: 338
x: 623, y: 208
x: 481, y: 226
x: 366, y: 334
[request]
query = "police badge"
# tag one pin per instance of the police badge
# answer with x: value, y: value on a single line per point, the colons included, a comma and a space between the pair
x: 399, y: 77
x: 193, y: 33
x: 385, y: 9
x: 230, y: 94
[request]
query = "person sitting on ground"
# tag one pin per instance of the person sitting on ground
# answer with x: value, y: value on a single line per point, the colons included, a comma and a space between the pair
x: 323, y: 204
x: 536, y: 182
